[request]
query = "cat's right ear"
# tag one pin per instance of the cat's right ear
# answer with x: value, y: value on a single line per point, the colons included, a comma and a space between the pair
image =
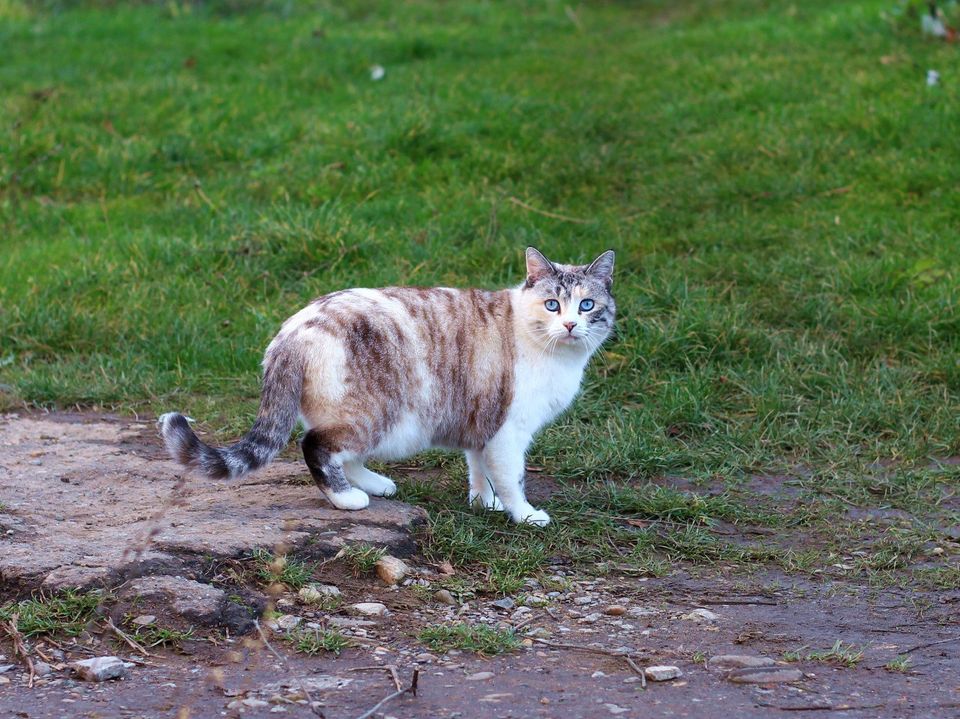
x: 538, y: 266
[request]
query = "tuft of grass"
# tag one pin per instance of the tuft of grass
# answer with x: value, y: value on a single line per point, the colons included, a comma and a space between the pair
x: 361, y: 557
x: 66, y: 613
x: 314, y: 641
x: 153, y: 635
x: 477, y: 638
x: 846, y: 655
x: 281, y: 569
x: 900, y: 663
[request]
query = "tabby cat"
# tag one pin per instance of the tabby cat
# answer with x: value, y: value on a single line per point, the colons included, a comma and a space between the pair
x: 382, y: 374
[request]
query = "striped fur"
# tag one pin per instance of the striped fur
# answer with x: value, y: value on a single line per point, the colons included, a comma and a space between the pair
x: 383, y: 374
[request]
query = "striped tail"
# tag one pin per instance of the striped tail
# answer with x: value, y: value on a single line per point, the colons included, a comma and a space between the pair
x: 276, y: 418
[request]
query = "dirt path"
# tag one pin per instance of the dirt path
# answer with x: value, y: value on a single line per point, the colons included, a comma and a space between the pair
x: 577, y: 630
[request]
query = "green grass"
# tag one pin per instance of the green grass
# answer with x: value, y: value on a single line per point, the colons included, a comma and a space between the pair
x: 281, y: 569
x: 68, y: 613
x: 777, y: 179
x: 153, y: 635
x: 361, y: 557
x: 840, y: 653
x: 315, y: 641
x: 469, y: 637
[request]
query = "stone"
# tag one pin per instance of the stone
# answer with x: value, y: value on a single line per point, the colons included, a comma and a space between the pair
x: 391, y: 570
x: 445, y: 597
x: 583, y: 601
x: 7, y: 668
x: 143, y: 620
x: 479, y: 677
x: 726, y: 662
x: 318, y: 593
x: 107, y: 461
x: 597, y: 675
x: 662, y: 673
x: 370, y: 609
x: 506, y: 604
x: 615, y: 610
x: 288, y: 622
x: 614, y: 709
x: 425, y: 657
x: 42, y: 669
x: 590, y: 618
x: 194, y: 601
x: 254, y: 703
x: 101, y: 669
x: 701, y: 615
x: 4, y: 680
x: 349, y: 622
x: 765, y: 675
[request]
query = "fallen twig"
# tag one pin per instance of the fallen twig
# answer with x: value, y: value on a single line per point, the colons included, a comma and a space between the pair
x: 931, y: 644
x: 555, y: 215
x: 392, y: 668
x: 628, y: 657
x: 19, y: 647
x: 130, y: 641
x: 412, y: 689
x: 638, y: 670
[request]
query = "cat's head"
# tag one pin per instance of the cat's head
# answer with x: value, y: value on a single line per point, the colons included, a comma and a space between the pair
x: 568, y: 306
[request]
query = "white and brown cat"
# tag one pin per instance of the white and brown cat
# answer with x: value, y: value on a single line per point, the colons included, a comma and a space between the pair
x: 383, y: 374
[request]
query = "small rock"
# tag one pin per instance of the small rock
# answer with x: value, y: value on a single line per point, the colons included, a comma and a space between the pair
x: 425, y: 657
x: 318, y: 593
x: 614, y: 709
x: 597, y: 675
x: 349, y: 622
x: 726, y: 662
x: 42, y: 669
x: 615, y: 610
x: 642, y: 612
x: 662, y: 673
x: 445, y: 597
x: 701, y: 615
x: 143, y: 620
x: 7, y: 668
x: 479, y: 677
x: 288, y: 622
x: 539, y: 633
x: 506, y: 604
x: 370, y: 609
x: 101, y: 669
x: 391, y: 570
x: 590, y: 618
x: 583, y: 600
x: 526, y: 643
x: 765, y: 675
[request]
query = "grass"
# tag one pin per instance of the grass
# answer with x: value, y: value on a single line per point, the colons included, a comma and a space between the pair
x: 153, y: 635
x: 476, y: 638
x: 69, y: 613
x: 315, y: 641
x: 777, y: 179
x: 280, y: 569
x: 361, y: 557
x: 840, y: 653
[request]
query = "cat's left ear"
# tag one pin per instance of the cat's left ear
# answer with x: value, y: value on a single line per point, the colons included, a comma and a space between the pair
x: 538, y: 266
x: 602, y: 268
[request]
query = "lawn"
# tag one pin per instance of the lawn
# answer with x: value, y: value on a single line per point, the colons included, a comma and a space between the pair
x: 778, y: 179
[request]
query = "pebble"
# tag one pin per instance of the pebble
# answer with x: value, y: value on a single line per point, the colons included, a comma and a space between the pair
x: 590, y: 618
x: 662, y: 673
x: 597, y: 674
x: 391, y: 570
x: 42, y: 669
x: 143, y: 620
x: 583, y: 600
x: 764, y: 675
x: 254, y: 703
x: 7, y: 668
x: 317, y: 593
x: 614, y: 709
x: 101, y: 669
x: 701, y: 615
x: 370, y: 609
x: 445, y: 597
x: 615, y: 610
x: 425, y: 657
x: 505, y: 604
x: 288, y: 622
x: 539, y: 633
x: 725, y: 662
x: 479, y: 677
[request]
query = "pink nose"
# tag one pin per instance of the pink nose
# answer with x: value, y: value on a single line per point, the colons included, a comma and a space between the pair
x: 569, y: 326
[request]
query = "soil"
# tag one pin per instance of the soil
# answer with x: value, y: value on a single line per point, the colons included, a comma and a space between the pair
x: 577, y: 641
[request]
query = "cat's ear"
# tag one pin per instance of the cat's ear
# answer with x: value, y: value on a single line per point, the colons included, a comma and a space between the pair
x: 538, y: 266
x: 602, y: 268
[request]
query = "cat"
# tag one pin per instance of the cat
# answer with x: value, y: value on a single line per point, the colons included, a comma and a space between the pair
x: 383, y: 374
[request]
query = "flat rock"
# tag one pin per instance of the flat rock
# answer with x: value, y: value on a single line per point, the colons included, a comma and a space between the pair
x: 318, y: 593
x: 370, y: 609
x: 701, y: 615
x: 662, y: 673
x: 391, y: 570
x: 726, y: 662
x: 506, y: 604
x: 479, y: 677
x: 194, y: 601
x: 101, y: 669
x: 445, y: 597
x: 765, y: 675
x: 109, y: 478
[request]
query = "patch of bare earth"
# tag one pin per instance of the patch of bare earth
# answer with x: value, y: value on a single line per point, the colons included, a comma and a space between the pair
x: 79, y: 491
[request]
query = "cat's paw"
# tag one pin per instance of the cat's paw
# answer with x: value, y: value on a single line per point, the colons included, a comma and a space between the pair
x: 531, y: 515
x: 352, y: 498
x: 491, y: 502
x: 370, y: 482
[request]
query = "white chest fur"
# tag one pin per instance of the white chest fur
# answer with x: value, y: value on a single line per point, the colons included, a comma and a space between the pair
x: 545, y: 387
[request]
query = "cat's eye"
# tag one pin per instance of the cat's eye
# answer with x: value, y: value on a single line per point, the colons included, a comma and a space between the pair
x: 552, y: 306
x: 586, y: 305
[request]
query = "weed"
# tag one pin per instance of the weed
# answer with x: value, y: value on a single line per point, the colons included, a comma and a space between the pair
x: 153, y: 635
x: 469, y: 637
x: 66, y: 613
x: 844, y: 654
x: 313, y: 641
x: 362, y: 557
x: 900, y: 663
x: 281, y: 569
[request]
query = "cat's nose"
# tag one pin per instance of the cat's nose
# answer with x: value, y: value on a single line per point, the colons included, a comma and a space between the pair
x: 569, y: 326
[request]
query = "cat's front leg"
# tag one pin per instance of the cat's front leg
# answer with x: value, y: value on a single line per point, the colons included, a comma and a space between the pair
x: 481, y: 486
x: 503, y: 458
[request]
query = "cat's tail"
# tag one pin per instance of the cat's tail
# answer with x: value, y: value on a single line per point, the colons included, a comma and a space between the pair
x: 276, y: 418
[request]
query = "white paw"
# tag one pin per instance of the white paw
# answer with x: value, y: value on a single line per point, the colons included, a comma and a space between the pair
x: 530, y: 515
x: 352, y: 498
x: 491, y: 502
x: 370, y: 482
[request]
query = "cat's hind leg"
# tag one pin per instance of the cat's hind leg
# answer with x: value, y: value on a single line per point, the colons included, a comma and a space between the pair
x: 481, y: 486
x: 329, y: 474
x: 368, y: 480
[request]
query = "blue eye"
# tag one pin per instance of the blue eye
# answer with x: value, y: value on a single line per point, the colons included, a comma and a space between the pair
x: 552, y: 305
x: 586, y: 305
